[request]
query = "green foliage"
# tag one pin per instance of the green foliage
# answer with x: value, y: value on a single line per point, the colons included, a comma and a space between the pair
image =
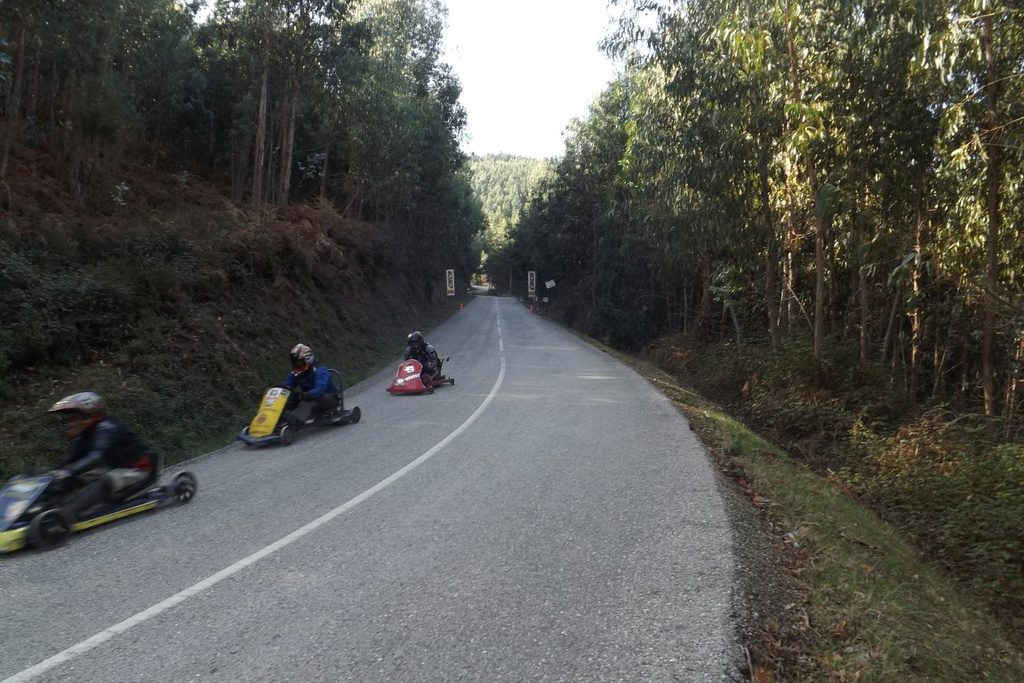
x: 772, y: 165
x: 55, y: 316
x: 502, y: 184
x: 955, y: 489
x: 155, y: 310
x: 951, y: 484
x: 344, y: 102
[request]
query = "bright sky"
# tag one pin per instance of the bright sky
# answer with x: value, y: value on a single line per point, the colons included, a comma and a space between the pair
x: 526, y: 68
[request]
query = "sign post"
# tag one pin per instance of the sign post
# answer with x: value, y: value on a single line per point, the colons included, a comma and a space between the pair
x: 542, y: 307
x: 450, y: 277
x: 531, y: 283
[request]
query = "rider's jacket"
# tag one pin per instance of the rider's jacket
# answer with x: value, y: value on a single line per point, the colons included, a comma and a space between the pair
x: 108, y: 443
x: 315, y: 381
x: 427, y: 356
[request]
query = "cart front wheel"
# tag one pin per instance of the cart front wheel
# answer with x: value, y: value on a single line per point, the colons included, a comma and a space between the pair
x: 50, y: 529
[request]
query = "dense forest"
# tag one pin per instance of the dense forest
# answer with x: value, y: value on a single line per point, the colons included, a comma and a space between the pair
x: 286, y: 101
x: 813, y: 212
x: 502, y: 183
x: 847, y: 170
x: 182, y: 197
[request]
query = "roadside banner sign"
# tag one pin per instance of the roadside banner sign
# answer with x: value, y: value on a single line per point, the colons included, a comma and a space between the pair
x: 531, y: 283
x: 549, y: 284
x: 450, y: 277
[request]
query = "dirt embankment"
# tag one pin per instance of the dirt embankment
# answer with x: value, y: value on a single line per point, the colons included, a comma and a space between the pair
x: 180, y: 306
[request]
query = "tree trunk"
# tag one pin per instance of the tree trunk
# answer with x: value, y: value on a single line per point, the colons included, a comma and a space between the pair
x: 938, y: 364
x: 13, y: 113
x: 703, y: 324
x: 770, y: 300
x: 324, y: 168
x: 891, y: 327
x: 915, y: 313
x: 1011, y: 392
x: 288, y: 140
x: 261, y: 125
x: 819, y: 260
x: 771, y: 256
x: 863, y: 301
x: 988, y: 374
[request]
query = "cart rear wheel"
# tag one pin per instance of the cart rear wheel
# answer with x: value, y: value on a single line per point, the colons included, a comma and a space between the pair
x: 184, y: 487
x: 356, y: 414
x: 50, y: 529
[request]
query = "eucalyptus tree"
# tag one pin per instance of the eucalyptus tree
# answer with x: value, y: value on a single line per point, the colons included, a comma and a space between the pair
x: 11, y: 79
x: 869, y: 150
x: 236, y: 54
x: 307, y: 38
x: 503, y: 182
x: 577, y: 230
x: 97, y: 76
x: 749, y: 42
x: 391, y: 110
x: 981, y: 147
x: 716, y: 138
x: 270, y: 61
x: 810, y: 35
x: 888, y: 129
x: 344, y: 66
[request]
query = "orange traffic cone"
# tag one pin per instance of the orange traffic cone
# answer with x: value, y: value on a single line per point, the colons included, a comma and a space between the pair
x: 531, y: 308
x: 460, y: 307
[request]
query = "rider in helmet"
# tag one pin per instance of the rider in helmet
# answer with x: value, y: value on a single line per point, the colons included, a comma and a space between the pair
x: 106, y: 460
x: 418, y: 349
x: 313, y: 390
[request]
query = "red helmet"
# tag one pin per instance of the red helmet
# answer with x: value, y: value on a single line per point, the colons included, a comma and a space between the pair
x: 79, y: 412
x: 302, y: 358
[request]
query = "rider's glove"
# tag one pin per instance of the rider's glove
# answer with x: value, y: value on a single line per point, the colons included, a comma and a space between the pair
x: 301, y: 395
x: 59, y: 475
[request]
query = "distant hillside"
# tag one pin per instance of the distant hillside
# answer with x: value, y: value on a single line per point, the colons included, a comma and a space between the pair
x: 503, y: 183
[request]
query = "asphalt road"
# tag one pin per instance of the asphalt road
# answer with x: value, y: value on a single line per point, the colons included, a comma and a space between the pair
x: 550, y: 517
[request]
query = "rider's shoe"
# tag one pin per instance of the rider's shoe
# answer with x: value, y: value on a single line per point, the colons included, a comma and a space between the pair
x: 289, y: 419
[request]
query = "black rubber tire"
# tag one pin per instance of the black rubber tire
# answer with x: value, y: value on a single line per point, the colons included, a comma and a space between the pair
x: 287, y: 435
x: 50, y: 529
x: 184, y: 487
x: 356, y: 414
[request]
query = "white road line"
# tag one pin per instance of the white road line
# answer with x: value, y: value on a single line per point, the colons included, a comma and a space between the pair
x: 501, y: 342
x: 147, y: 614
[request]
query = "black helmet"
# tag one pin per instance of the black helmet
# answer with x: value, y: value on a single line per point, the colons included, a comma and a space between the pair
x: 415, y: 339
x: 302, y: 358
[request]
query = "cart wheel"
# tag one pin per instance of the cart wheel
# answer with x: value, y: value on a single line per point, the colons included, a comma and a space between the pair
x: 356, y: 414
x: 287, y: 435
x: 453, y: 381
x: 184, y: 486
x: 50, y: 529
